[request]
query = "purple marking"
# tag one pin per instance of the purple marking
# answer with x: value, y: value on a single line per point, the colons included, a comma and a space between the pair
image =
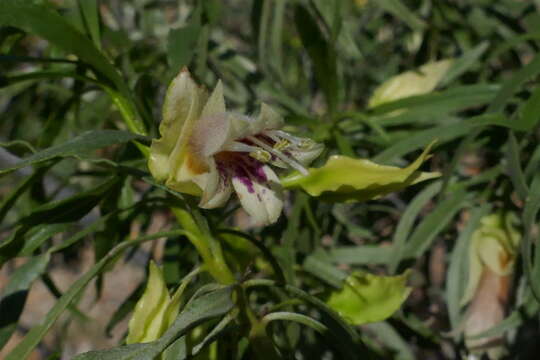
x: 255, y: 168
x: 243, y: 176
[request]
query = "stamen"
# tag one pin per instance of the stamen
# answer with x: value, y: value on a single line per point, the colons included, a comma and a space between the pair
x: 240, y: 147
x: 291, y: 162
x: 300, y: 142
x: 282, y: 144
x: 261, y: 155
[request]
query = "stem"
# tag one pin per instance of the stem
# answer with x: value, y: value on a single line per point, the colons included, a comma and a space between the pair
x: 209, y: 249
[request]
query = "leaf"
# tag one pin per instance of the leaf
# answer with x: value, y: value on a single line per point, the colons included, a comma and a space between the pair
x: 396, y: 8
x: 34, y: 336
x: 465, y: 62
x: 529, y: 114
x: 14, y: 294
x: 90, y: 15
x: 368, y: 298
x: 493, y: 245
x: 434, y: 223
x: 360, y: 255
x: 42, y: 21
x: 72, y: 208
x: 512, y: 85
x: 458, y: 267
x: 203, y: 308
x: 391, y: 338
x: 346, y: 179
x: 181, y: 44
x: 407, y: 220
x: 410, y: 83
x: 344, y: 338
x: 320, y: 265
x: 321, y: 53
x: 147, y: 322
x: 9, y: 200
x: 442, y: 133
x: 79, y: 146
x: 435, y: 103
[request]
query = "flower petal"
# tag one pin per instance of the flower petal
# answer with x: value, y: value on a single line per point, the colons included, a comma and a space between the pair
x: 217, y: 190
x: 268, y: 119
x: 259, y: 192
x: 216, y: 102
x: 306, y: 156
x: 183, y: 103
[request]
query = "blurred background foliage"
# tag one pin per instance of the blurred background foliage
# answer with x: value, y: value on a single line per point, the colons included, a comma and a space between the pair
x: 318, y: 62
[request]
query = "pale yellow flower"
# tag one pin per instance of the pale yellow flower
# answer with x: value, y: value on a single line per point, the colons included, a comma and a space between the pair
x: 207, y: 151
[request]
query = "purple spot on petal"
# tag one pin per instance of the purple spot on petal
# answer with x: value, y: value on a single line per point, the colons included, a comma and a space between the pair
x: 243, y: 176
x: 255, y: 168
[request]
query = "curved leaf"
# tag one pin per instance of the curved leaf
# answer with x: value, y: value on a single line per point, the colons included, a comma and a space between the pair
x: 346, y: 179
x: 410, y: 83
x: 146, y: 324
x: 368, y: 298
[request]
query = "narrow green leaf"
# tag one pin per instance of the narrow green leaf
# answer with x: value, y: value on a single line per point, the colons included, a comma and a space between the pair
x: 530, y: 213
x: 321, y: 53
x: 181, y: 45
x: 434, y: 223
x: 34, y: 336
x: 318, y: 265
x: 442, y: 133
x: 78, y: 147
x: 407, y: 221
x: 39, y: 234
x: 465, y: 62
x: 514, y: 167
x: 362, y: 255
x: 344, y: 337
x: 513, y: 84
x: 42, y: 21
x: 14, y: 294
x: 90, y: 15
x: 529, y: 115
x: 436, y: 103
x: 9, y: 200
x: 203, y: 308
x: 70, y: 209
x: 391, y: 338
x: 396, y: 8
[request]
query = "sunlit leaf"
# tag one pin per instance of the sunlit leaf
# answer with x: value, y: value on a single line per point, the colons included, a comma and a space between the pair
x: 368, y: 298
x: 347, y: 179
x: 493, y: 245
x: 147, y: 321
x: 410, y: 83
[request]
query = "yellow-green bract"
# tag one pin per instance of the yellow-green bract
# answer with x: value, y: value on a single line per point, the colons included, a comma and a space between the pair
x: 155, y: 311
x: 347, y: 179
x: 368, y: 298
x: 494, y: 245
x: 410, y: 83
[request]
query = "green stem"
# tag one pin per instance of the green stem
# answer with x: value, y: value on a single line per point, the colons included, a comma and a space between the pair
x: 210, y: 250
